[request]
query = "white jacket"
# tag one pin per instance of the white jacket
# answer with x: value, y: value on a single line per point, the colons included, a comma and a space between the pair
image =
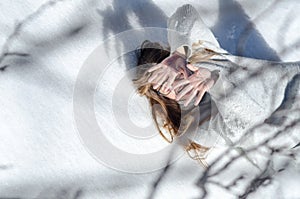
x: 248, y: 90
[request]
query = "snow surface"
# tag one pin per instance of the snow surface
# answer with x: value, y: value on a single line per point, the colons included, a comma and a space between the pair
x: 41, y: 154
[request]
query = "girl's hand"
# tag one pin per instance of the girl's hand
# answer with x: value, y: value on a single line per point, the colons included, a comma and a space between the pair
x: 195, y: 85
x: 164, y: 74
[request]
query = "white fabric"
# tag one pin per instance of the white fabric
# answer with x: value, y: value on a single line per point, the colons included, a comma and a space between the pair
x: 187, y: 27
x: 250, y: 102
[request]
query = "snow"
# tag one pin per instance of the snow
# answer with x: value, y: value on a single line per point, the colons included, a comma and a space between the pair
x: 41, y: 153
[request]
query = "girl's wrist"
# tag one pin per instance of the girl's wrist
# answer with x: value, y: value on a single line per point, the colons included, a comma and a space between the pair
x: 180, y: 52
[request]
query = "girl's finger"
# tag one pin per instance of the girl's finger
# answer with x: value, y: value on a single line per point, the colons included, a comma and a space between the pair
x: 184, y: 72
x: 199, y: 82
x: 199, y: 97
x: 164, y: 89
x: 171, y: 80
x: 184, y: 91
x: 209, y: 84
x: 180, y: 83
x: 204, y: 73
x: 152, y: 77
x: 190, y: 97
x: 192, y: 67
x: 157, y: 78
x: 163, y: 78
x: 153, y: 68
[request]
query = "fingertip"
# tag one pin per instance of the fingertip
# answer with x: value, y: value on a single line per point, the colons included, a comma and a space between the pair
x: 154, y: 67
x: 150, y: 80
x: 150, y: 70
x: 192, y: 67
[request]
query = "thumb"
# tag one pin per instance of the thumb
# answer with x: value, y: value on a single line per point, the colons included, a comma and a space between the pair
x: 192, y: 67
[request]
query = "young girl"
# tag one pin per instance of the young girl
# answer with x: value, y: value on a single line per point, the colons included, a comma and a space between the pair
x: 233, y: 93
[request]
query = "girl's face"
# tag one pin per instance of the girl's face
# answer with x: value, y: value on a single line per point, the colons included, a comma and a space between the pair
x: 172, y: 94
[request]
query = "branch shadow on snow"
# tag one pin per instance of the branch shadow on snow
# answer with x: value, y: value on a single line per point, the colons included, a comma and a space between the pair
x: 126, y: 15
x: 237, y: 34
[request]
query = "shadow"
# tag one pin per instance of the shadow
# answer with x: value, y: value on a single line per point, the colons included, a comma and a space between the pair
x: 289, y: 100
x: 237, y: 34
x: 5, y: 166
x: 116, y: 18
x: 297, y: 145
x: 126, y: 15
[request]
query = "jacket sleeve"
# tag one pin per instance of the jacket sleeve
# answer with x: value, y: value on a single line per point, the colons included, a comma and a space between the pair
x: 185, y: 27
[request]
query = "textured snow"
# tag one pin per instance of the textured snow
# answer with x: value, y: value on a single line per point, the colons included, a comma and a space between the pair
x: 41, y: 155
